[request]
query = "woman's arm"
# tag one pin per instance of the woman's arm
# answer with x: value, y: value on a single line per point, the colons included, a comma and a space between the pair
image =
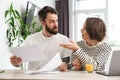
x: 97, y: 61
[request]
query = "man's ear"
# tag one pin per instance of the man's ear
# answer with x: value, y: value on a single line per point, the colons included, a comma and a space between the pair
x: 42, y: 23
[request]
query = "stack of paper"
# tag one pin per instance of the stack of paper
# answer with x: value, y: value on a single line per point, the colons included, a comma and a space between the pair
x: 34, y: 53
x: 50, y: 67
x: 28, y: 53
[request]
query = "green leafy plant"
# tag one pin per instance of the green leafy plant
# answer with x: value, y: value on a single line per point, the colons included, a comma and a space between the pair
x: 16, y: 26
x: 17, y: 31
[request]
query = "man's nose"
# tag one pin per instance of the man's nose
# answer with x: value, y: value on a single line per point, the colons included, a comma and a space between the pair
x: 56, y: 24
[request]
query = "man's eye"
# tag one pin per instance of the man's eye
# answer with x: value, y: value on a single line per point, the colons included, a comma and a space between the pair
x: 51, y: 21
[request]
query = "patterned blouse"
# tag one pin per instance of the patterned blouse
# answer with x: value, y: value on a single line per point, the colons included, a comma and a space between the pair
x: 96, y: 55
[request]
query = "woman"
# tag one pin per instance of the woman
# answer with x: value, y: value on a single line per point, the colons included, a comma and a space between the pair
x: 92, y: 49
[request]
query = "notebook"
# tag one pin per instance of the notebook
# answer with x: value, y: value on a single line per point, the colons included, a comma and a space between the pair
x: 112, y: 67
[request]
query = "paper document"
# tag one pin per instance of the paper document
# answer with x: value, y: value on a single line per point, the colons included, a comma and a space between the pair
x: 50, y: 67
x: 28, y: 53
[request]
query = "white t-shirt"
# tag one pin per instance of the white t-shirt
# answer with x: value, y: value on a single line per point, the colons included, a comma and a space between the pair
x: 49, y: 45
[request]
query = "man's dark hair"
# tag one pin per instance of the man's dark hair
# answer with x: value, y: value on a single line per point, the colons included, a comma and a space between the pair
x: 44, y: 11
x: 96, y: 28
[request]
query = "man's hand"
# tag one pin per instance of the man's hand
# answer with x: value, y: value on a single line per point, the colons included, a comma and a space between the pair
x: 15, y: 61
x: 77, y: 64
x: 63, y: 67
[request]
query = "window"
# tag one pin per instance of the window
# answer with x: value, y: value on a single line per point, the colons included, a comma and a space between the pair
x: 105, y: 10
x: 113, y: 22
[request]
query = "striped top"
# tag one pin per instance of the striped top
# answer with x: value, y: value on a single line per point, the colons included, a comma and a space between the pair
x: 96, y: 55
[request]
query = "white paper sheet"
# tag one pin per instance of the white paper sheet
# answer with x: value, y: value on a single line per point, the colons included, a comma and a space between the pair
x: 28, y: 53
x: 50, y: 67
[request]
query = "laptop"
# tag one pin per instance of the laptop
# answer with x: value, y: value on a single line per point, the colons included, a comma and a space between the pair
x: 112, y: 67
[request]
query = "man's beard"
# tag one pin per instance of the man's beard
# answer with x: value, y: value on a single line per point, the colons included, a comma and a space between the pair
x: 50, y: 30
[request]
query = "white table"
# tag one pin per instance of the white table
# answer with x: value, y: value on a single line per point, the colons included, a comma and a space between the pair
x: 70, y: 75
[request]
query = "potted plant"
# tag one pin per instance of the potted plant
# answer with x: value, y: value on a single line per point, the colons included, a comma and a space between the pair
x: 16, y: 24
x: 17, y: 31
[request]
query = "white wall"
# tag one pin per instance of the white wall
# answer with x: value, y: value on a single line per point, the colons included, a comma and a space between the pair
x: 19, y: 5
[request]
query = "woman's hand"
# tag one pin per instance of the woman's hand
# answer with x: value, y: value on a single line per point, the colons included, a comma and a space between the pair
x: 72, y: 45
x: 15, y: 61
x: 77, y: 64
